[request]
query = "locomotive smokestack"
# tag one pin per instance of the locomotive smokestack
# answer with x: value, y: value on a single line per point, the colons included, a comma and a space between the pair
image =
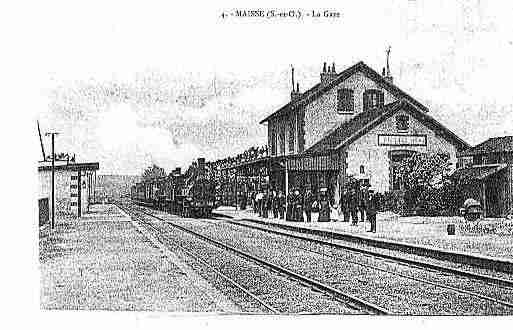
x: 201, y: 163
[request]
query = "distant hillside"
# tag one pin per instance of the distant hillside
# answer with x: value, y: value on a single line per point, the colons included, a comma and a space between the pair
x: 114, y: 186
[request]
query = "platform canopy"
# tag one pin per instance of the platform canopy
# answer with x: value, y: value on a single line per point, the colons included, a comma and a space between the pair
x: 328, y: 162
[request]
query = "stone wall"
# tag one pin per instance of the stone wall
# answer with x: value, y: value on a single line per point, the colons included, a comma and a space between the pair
x: 321, y: 115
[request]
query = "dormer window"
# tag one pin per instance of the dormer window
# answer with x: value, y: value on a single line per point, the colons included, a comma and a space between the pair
x: 402, y: 123
x: 372, y: 98
x: 345, y: 100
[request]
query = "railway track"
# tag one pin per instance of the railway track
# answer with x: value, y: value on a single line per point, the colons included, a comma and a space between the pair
x: 354, y: 304
x: 384, y: 256
x: 438, y: 280
x: 439, y: 283
x: 478, y: 279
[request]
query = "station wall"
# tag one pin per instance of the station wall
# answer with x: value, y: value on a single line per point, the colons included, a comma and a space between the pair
x: 366, y: 151
x: 66, y: 191
x: 321, y: 115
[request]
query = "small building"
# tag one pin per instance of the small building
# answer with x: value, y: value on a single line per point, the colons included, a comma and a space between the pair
x: 485, y: 173
x: 74, y: 188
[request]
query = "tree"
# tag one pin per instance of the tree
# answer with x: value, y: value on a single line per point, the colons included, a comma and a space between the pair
x: 153, y: 172
x: 425, y: 179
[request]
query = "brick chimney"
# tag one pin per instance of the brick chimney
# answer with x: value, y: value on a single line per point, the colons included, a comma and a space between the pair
x: 294, y: 94
x: 387, y: 75
x: 328, y: 74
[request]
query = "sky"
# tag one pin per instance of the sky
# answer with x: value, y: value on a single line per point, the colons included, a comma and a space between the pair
x: 129, y: 84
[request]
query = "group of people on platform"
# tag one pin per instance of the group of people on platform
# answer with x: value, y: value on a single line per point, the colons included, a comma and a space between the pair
x: 355, y: 205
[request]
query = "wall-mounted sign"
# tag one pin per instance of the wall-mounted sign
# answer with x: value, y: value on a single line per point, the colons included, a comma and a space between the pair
x: 402, y: 140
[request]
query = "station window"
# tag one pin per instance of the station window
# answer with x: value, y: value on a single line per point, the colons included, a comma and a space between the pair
x: 74, y: 195
x: 292, y: 134
x: 73, y: 186
x: 345, y: 100
x: 402, y: 123
x: 73, y: 203
x: 362, y: 169
x: 281, y: 140
x: 74, y: 177
x: 272, y: 137
x: 372, y: 98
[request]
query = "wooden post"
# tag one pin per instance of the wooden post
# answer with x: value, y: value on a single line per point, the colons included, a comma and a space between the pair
x: 94, y: 190
x: 483, y: 197
x: 53, y: 134
x: 79, y: 190
x: 286, y: 188
x: 236, y: 191
x: 53, y: 181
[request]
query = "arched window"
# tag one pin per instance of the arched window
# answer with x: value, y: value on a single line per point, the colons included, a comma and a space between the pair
x: 362, y: 169
x: 373, y: 98
x: 345, y: 100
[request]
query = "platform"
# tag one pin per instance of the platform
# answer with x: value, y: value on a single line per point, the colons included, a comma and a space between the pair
x: 104, y: 261
x: 421, y: 235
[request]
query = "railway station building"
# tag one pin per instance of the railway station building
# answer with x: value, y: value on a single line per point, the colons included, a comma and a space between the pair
x: 74, y: 188
x: 357, y: 123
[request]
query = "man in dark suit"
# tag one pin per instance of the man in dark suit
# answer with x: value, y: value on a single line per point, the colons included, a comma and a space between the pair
x: 280, y: 203
x: 274, y: 204
x: 297, y: 211
x: 324, y: 206
x: 265, y: 204
x: 372, y: 210
x: 353, y: 206
x: 308, y: 200
x: 363, y: 198
x: 344, y: 205
x: 290, y: 207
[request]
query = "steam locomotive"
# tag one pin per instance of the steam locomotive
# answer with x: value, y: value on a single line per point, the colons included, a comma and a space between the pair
x: 191, y: 194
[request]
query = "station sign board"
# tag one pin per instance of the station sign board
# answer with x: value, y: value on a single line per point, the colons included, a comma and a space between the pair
x: 402, y: 140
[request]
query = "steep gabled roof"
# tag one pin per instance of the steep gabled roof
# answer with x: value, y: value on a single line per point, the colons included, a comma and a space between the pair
x: 496, y: 144
x: 348, y: 131
x: 318, y: 90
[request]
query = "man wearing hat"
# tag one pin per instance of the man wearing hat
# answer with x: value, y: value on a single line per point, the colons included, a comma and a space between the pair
x: 290, y: 207
x: 274, y: 203
x: 280, y: 203
x: 297, y: 212
x: 353, y: 206
x: 363, y: 198
x: 308, y: 200
x: 324, y: 206
x: 265, y: 204
x: 372, y: 210
x: 344, y: 205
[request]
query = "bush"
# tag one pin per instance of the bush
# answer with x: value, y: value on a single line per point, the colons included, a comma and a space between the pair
x: 393, y: 201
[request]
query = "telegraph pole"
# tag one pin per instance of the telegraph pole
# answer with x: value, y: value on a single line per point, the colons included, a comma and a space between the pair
x: 53, y: 134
